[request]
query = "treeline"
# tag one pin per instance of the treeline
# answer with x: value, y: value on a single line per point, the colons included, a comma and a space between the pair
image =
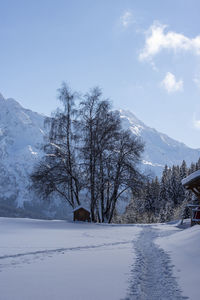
x: 89, y: 158
x: 162, y: 200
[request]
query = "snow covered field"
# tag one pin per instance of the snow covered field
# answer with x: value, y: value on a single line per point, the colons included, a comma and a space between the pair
x: 184, y: 249
x: 59, y: 260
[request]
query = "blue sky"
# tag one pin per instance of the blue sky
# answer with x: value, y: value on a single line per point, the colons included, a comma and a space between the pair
x: 145, y: 55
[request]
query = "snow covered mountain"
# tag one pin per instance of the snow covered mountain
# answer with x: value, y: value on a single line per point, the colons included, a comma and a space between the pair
x: 160, y: 149
x: 21, y: 137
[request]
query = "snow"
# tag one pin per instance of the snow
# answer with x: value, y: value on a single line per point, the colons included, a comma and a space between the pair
x: 20, y: 148
x: 183, y: 248
x: 152, y: 273
x: 159, y: 148
x: 52, y: 260
x: 192, y: 177
x: 81, y: 206
x: 151, y: 164
x: 59, y: 260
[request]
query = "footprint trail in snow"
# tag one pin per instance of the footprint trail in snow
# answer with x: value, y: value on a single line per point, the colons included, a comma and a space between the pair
x: 152, y: 275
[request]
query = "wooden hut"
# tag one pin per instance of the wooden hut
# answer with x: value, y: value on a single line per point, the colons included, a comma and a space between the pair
x: 192, y: 182
x: 81, y: 214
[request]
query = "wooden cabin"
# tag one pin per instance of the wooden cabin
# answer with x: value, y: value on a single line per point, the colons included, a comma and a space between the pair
x: 81, y: 214
x: 192, y: 182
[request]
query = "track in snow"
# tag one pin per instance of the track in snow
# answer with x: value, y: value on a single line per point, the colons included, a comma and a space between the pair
x: 28, y: 257
x: 58, y: 250
x: 152, y: 275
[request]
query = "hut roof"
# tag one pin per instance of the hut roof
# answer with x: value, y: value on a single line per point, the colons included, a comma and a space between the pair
x: 192, y: 180
x: 81, y: 206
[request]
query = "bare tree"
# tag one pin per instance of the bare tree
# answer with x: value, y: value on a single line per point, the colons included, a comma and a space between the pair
x: 123, y: 170
x: 59, y: 172
x: 99, y: 126
x: 87, y: 149
x: 110, y: 155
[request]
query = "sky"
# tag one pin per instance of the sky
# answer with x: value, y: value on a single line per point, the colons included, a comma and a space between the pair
x: 144, y: 55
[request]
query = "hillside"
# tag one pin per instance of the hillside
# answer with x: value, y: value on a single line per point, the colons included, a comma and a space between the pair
x: 160, y: 149
x: 21, y: 135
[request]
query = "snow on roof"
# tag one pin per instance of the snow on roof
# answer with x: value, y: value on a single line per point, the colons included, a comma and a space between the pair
x: 191, y: 178
x: 81, y: 206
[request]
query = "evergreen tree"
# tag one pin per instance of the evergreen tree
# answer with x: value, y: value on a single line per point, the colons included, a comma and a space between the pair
x: 156, y: 194
x: 198, y: 164
x: 183, y: 170
x: 165, y: 187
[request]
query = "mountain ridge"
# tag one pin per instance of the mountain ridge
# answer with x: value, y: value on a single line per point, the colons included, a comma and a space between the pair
x: 160, y: 149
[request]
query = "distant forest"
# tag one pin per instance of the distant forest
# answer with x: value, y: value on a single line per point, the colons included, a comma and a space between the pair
x: 163, y: 199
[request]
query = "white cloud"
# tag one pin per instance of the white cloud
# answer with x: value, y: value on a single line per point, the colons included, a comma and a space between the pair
x: 196, y: 122
x: 171, y: 84
x: 126, y: 19
x: 158, y: 39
